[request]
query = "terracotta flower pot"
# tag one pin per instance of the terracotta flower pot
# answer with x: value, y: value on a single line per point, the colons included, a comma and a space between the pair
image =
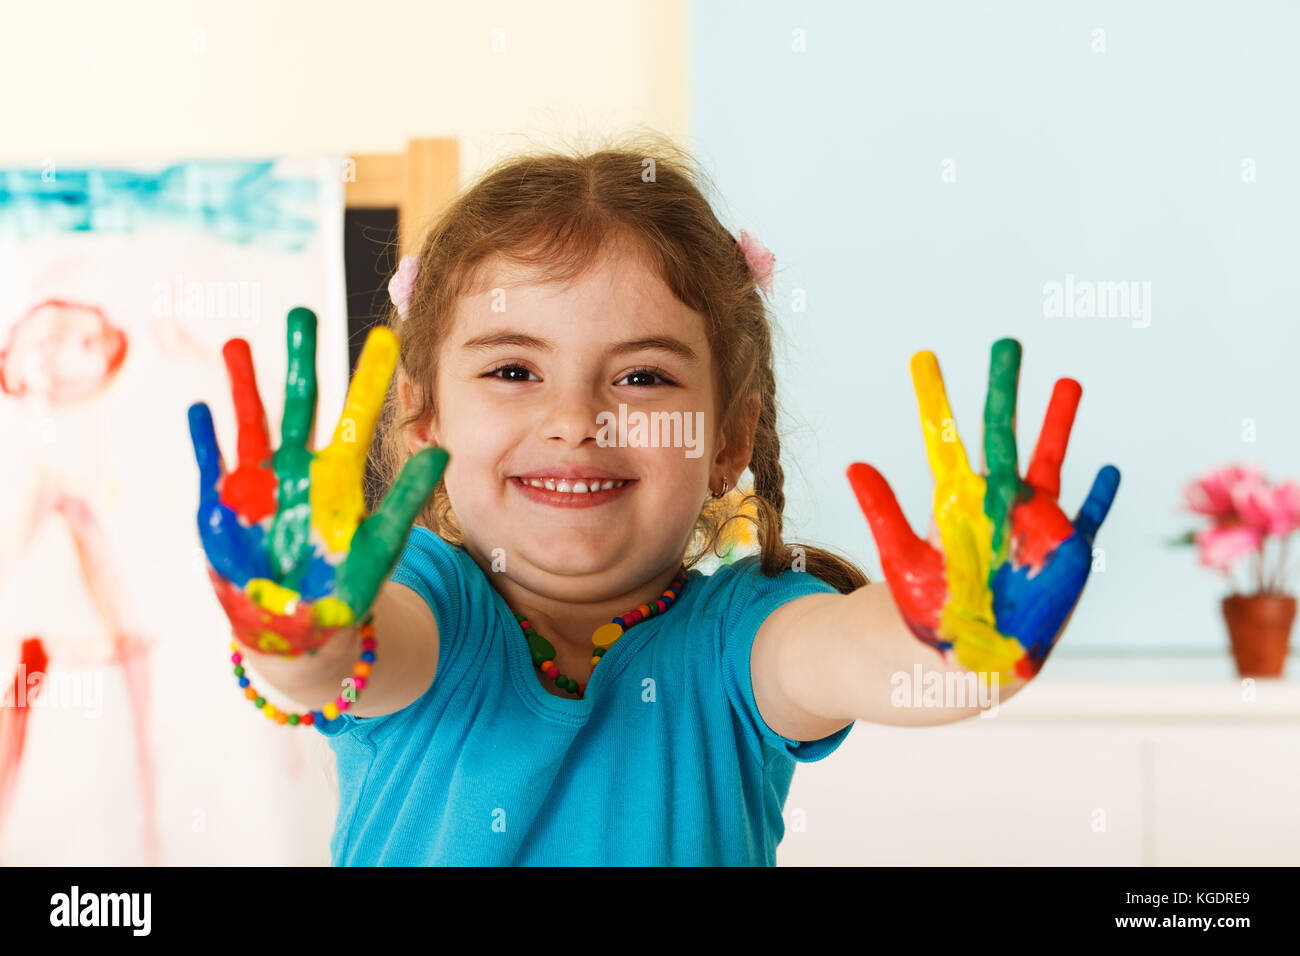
x: 1260, y: 628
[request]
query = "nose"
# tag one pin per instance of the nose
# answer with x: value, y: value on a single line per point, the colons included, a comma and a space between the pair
x: 571, y: 417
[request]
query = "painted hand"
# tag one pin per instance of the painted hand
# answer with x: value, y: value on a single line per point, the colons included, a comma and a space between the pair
x: 997, y: 594
x: 290, y: 551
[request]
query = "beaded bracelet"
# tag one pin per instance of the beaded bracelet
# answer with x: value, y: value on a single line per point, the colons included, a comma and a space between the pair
x: 360, y: 672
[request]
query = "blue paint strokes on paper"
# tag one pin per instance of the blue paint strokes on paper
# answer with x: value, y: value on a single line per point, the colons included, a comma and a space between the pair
x: 243, y: 202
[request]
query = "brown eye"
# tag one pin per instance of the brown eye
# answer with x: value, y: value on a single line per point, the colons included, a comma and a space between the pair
x: 512, y: 377
x: 646, y: 373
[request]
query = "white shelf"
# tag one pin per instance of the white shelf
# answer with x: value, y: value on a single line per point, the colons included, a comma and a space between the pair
x: 1086, y: 772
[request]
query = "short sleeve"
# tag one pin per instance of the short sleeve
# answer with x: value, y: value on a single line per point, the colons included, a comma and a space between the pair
x: 433, y: 569
x: 749, y: 600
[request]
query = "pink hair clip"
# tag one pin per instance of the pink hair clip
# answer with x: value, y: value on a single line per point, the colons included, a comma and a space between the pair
x: 760, y: 261
x: 402, y: 282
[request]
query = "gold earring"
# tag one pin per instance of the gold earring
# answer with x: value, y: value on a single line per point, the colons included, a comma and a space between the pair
x: 723, y: 492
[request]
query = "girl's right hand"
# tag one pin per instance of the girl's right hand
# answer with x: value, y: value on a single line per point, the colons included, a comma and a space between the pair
x: 291, y: 554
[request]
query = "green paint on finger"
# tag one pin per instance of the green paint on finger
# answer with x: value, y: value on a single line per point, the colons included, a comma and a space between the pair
x: 290, y: 544
x: 379, y: 540
x: 1000, y: 441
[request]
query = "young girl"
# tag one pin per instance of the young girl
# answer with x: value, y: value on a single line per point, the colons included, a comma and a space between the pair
x: 545, y: 677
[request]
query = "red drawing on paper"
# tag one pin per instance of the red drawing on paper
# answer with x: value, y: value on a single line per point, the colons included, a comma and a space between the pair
x: 62, y: 353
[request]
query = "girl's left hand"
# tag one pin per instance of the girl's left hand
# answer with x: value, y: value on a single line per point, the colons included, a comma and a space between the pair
x: 998, y: 593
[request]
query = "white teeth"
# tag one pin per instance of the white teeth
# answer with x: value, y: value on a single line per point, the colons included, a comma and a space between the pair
x: 576, y: 486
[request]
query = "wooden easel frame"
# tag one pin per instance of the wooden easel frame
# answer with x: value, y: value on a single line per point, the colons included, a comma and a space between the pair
x: 417, y: 183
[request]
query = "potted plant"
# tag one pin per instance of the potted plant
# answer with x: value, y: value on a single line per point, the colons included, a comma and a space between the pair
x: 1247, y: 513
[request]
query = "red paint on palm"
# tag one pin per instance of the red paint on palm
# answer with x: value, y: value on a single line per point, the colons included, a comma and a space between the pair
x: 1027, y: 668
x: 264, y: 631
x: 1038, y: 526
x: 913, y: 568
x: 249, y: 490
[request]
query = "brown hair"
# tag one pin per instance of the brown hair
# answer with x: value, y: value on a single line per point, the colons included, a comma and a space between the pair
x: 559, y: 211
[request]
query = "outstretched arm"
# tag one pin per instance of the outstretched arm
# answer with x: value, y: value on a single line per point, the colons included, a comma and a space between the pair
x: 824, y: 660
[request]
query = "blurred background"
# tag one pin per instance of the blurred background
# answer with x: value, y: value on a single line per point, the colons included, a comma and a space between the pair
x: 1114, y: 186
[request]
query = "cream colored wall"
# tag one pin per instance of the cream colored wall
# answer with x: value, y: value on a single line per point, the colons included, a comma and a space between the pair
x: 158, y: 79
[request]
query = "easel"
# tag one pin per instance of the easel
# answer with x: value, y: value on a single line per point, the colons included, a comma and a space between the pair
x: 389, y: 194
x: 416, y: 183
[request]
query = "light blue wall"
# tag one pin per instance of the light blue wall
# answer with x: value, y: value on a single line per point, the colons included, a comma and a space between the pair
x: 1113, y: 166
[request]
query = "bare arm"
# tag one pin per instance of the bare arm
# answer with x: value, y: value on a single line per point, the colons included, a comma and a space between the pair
x: 824, y: 660
x: 406, y: 659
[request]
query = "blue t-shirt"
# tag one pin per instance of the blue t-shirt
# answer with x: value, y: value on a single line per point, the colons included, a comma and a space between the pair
x: 666, y: 760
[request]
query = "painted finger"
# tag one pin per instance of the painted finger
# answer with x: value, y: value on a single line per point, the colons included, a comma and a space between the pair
x: 1097, y: 505
x: 337, y: 499
x: 290, y: 540
x: 876, y: 499
x: 379, y: 540
x: 1000, y: 458
x: 913, y: 569
x: 943, y: 444
x: 365, y: 398
x: 207, y: 453
x: 300, y: 380
x: 1044, y: 471
x: 233, y: 550
x: 250, y: 488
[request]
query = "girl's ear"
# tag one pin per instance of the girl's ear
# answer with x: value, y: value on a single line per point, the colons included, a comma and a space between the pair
x: 418, y: 435
x: 751, y: 430
x: 734, y: 457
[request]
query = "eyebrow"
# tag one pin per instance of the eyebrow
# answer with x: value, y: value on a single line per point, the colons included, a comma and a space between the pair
x: 507, y: 338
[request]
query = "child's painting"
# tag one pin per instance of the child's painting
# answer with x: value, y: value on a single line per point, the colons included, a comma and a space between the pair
x: 123, y: 738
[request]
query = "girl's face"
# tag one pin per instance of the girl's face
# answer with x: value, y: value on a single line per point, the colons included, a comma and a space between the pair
x: 530, y: 385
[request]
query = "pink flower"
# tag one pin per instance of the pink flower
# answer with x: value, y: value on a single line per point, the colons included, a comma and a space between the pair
x: 760, y: 261
x: 1211, y: 494
x: 402, y: 282
x: 1286, y: 504
x: 1269, y: 509
x: 1220, y: 545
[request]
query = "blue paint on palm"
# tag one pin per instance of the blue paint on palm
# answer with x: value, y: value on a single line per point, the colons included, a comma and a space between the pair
x: 1032, y: 609
x: 317, y: 581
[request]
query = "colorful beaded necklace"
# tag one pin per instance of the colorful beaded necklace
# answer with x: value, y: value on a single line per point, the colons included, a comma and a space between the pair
x: 543, y: 651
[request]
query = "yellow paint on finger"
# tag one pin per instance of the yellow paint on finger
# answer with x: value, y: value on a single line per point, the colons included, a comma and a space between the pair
x: 338, y: 503
x: 966, y: 619
x: 271, y: 596
x: 943, y: 445
x: 331, y: 612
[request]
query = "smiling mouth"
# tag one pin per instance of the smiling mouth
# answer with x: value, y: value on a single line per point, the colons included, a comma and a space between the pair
x: 569, y: 493
x: 577, y: 486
